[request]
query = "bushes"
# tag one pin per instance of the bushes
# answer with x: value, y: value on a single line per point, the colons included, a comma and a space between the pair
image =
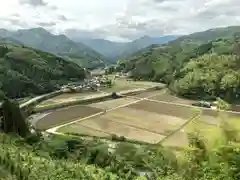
x: 114, y: 137
x: 26, y: 165
x: 201, y: 78
x: 212, y: 154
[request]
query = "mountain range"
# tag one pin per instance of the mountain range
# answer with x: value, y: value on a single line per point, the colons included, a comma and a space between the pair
x: 60, y: 45
x: 116, y: 50
x: 90, y: 53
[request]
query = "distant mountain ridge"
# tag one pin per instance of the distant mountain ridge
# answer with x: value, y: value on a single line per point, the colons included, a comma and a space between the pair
x: 61, y: 45
x: 115, y: 50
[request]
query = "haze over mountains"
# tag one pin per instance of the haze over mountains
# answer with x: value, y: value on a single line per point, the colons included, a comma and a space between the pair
x: 119, y: 50
x: 85, y: 52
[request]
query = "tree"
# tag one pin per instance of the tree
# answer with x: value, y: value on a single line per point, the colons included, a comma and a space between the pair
x: 13, y: 120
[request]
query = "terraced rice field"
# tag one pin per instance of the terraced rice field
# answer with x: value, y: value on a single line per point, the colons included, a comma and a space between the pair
x: 104, y: 124
x: 166, y: 97
x: 65, y: 115
x: 149, y: 120
x: 151, y: 93
x: 124, y: 84
x: 109, y: 104
x: 154, y: 122
x: 143, y: 121
x: 69, y: 97
x: 164, y: 108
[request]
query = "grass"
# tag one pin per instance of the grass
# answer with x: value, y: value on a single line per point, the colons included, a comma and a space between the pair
x: 79, y: 129
x: 5, y: 175
x: 121, y: 84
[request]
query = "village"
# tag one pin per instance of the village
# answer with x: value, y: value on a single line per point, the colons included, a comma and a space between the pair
x: 90, y: 84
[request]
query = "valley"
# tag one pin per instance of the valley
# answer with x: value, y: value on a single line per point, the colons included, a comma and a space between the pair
x: 169, y: 110
x: 154, y: 116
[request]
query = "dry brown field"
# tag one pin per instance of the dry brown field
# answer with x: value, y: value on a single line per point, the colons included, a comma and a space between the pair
x: 65, y: 115
x: 148, y: 121
x: 112, y: 103
x: 167, y: 97
x: 143, y: 121
x: 103, y: 123
x: 154, y: 122
x: 164, y: 108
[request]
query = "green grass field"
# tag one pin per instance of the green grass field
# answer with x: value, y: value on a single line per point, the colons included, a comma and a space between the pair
x: 122, y: 84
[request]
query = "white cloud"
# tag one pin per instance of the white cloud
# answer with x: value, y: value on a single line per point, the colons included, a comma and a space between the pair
x: 119, y: 20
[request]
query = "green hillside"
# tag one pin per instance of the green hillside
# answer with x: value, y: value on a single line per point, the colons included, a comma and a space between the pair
x: 212, y: 156
x: 26, y: 71
x: 191, y: 62
x: 61, y: 45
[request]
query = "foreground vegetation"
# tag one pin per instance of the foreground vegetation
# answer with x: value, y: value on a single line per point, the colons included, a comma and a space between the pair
x: 212, y: 154
x: 204, y: 64
x: 26, y: 71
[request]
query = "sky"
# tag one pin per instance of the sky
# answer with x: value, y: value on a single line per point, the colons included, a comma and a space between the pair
x: 119, y: 20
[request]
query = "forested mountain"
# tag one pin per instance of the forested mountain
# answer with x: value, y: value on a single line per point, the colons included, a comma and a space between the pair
x: 61, y: 45
x: 201, y: 65
x: 115, y: 50
x: 209, y: 35
x: 27, y: 71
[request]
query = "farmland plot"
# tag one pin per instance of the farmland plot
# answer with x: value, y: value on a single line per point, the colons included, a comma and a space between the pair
x: 109, y: 104
x: 157, y: 123
x: 171, y: 98
x: 65, y: 115
x: 104, y: 124
x: 165, y: 109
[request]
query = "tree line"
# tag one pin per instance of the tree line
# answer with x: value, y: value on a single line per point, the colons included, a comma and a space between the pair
x: 190, y: 69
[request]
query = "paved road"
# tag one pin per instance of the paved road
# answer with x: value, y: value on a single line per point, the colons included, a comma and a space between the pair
x: 33, y: 119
